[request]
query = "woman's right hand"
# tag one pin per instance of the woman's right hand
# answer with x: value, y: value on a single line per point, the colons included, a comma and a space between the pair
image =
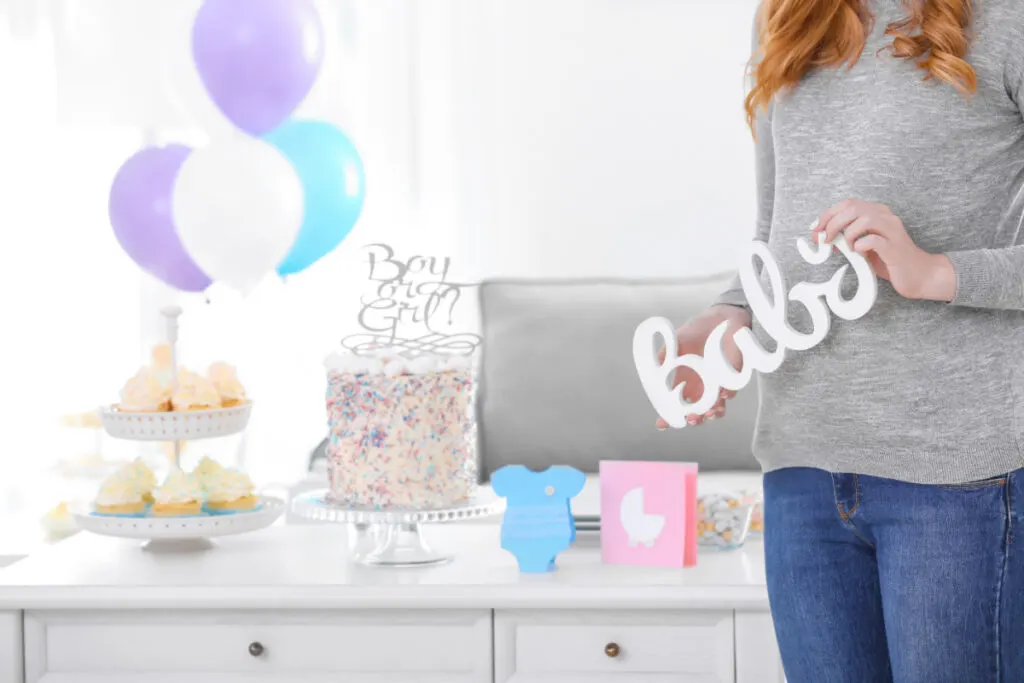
x: 690, y: 338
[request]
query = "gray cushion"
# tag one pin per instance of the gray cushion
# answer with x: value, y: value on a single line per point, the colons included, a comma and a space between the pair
x: 558, y: 385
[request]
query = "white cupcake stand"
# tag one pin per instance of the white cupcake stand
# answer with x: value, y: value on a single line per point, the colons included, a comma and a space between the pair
x: 178, y: 533
x: 394, y: 538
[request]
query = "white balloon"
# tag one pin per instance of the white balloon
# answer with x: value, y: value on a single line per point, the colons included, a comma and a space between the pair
x: 184, y: 86
x: 237, y: 206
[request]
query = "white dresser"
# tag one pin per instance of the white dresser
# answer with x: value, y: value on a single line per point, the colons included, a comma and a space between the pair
x: 283, y: 605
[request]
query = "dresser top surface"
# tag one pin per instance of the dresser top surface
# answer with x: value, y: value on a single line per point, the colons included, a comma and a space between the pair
x: 305, y: 567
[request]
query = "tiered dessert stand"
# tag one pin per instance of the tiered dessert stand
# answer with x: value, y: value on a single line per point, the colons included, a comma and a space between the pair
x: 394, y: 537
x: 179, y: 533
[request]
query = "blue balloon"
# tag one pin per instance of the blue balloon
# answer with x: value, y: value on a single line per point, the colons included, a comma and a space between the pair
x: 332, y: 176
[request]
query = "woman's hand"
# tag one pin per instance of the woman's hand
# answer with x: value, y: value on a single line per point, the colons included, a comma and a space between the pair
x: 874, y: 232
x: 690, y: 338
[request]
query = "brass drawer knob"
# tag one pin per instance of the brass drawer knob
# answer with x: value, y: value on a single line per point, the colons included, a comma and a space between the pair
x: 255, y: 649
x: 612, y: 650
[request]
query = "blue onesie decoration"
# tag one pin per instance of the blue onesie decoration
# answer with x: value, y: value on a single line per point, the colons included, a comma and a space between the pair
x: 538, y: 521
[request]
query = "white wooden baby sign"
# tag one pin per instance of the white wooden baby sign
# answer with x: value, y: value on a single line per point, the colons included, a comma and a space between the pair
x: 713, y: 367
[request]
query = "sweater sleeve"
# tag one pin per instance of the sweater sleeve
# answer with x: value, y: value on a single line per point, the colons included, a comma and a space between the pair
x: 994, y: 278
x: 764, y: 160
x: 989, y: 278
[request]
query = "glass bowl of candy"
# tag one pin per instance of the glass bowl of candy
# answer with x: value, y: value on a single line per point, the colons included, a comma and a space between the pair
x: 724, y: 518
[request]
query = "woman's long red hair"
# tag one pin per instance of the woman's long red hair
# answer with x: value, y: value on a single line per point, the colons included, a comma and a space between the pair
x: 795, y: 36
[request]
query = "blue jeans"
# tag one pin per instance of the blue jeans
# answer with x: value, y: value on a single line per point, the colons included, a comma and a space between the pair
x: 874, y: 581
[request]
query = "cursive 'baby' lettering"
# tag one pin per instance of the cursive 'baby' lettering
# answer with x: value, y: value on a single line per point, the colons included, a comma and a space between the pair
x: 770, y: 309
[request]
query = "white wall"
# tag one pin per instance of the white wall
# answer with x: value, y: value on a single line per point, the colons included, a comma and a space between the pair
x: 594, y: 137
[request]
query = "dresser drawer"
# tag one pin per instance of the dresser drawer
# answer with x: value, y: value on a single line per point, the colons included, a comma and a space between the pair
x: 144, y: 646
x: 638, y: 647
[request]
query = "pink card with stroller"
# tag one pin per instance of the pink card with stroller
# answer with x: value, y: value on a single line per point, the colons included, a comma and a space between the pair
x: 649, y: 513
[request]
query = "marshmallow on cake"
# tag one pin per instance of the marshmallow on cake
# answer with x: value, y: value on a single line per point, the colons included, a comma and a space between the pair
x: 402, y: 434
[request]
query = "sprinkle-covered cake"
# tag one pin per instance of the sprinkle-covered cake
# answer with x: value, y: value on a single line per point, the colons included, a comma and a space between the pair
x: 402, y: 434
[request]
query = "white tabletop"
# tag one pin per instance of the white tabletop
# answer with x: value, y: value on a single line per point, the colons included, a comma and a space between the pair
x: 304, y: 567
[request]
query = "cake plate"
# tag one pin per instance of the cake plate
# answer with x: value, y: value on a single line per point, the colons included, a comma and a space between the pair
x: 183, y: 426
x: 175, y: 427
x: 172, y: 534
x: 393, y: 538
x: 176, y: 534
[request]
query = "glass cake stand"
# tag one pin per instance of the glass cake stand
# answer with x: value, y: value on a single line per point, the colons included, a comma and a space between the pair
x: 393, y: 538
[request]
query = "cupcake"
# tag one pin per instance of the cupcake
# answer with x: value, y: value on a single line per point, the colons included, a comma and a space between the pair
x: 139, y: 473
x: 138, y: 476
x: 196, y: 393
x: 179, y: 496
x: 89, y: 420
x: 206, y: 471
x: 119, y: 496
x: 145, y: 393
x: 58, y: 522
x: 187, y: 378
x: 230, y: 491
x: 225, y: 381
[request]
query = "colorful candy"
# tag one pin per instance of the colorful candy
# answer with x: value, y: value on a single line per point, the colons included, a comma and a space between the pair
x: 724, y: 519
x: 757, y: 519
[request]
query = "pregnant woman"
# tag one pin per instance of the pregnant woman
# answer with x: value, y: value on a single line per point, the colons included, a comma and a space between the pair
x: 894, y: 499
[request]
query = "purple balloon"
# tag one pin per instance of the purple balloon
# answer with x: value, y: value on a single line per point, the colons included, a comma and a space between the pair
x: 257, y: 58
x: 140, y: 211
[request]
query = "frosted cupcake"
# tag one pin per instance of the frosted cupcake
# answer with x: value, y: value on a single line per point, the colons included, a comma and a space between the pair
x: 119, y: 496
x: 89, y: 420
x: 206, y: 471
x: 58, y: 522
x: 230, y: 491
x: 225, y: 380
x: 139, y: 473
x: 187, y: 377
x: 196, y: 393
x: 180, y: 496
x: 145, y: 393
x: 138, y: 476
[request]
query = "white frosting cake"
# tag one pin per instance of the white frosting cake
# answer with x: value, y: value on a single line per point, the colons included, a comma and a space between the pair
x: 402, y: 433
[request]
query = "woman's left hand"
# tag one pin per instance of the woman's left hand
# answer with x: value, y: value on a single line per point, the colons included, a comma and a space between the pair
x: 873, y: 231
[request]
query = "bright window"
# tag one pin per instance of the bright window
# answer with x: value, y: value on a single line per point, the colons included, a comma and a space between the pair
x: 559, y: 138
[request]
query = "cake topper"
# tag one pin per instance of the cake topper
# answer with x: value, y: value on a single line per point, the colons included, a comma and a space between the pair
x: 410, y: 309
x: 770, y: 311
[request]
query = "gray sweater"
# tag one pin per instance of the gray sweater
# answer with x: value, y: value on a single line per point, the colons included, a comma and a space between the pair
x: 919, y: 391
